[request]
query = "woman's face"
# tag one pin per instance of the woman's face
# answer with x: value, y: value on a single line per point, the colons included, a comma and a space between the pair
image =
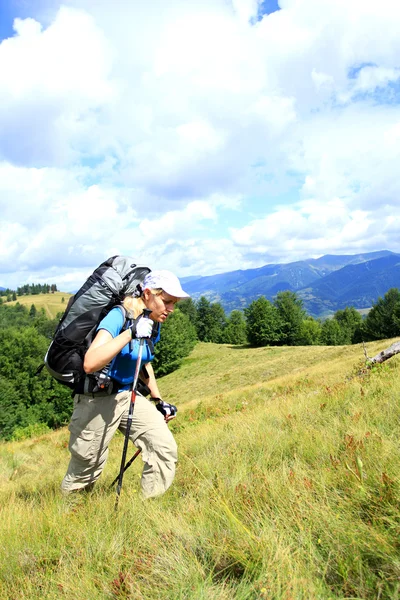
x: 161, y: 305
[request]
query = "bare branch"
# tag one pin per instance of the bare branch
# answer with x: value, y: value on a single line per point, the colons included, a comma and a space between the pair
x: 367, y: 358
x: 384, y: 354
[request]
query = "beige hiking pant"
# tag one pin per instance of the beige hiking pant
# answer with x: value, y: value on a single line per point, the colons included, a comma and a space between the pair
x: 93, y: 424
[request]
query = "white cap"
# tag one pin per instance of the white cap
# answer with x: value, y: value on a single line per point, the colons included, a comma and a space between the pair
x: 166, y: 281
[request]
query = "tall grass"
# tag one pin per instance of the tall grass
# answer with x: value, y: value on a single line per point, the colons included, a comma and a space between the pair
x: 287, y: 488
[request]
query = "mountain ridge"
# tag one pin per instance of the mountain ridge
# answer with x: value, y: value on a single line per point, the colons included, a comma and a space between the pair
x: 325, y: 284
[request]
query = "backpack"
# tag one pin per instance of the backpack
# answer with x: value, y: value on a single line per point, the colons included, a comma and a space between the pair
x: 106, y: 287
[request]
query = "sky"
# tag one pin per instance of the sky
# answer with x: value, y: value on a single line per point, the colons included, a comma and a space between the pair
x: 199, y: 136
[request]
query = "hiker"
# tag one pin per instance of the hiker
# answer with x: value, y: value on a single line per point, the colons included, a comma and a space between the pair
x: 98, y: 415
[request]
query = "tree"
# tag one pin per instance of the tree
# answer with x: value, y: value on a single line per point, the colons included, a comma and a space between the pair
x: 28, y: 398
x: 292, y: 314
x: 188, y: 307
x: 332, y: 334
x: 203, y: 308
x: 382, y: 321
x: 310, y: 332
x: 217, y: 323
x: 263, y: 323
x: 12, y: 409
x: 235, y: 329
x: 177, y: 340
x: 350, y: 322
x: 16, y: 316
x: 33, y: 311
x: 210, y: 321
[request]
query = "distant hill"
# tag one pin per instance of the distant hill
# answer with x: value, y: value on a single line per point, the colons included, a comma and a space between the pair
x: 325, y: 284
x: 359, y: 285
x: 51, y: 303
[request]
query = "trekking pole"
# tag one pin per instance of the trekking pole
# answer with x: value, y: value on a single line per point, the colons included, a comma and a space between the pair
x: 128, y: 464
x: 122, y: 469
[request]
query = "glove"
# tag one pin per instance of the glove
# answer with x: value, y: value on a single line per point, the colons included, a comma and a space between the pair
x: 168, y: 410
x: 142, y: 327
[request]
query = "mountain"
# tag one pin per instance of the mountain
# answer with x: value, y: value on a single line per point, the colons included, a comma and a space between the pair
x: 358, y: 285
x: 325, y: 284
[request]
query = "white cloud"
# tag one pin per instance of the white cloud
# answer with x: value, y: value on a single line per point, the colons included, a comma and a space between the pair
x: 146, y: 127
x: 246, y: 9
x: 311, y: 228
x: 67, y: 225
x: 51, y: 82
x: 370, y: 78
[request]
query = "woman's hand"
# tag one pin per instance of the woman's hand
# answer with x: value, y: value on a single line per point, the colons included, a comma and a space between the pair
x: 168, y: 410
x: 142, y: 327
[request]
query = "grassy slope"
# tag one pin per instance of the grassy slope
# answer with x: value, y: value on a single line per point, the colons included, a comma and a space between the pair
x: 52, y: 303
x: 287, y: 487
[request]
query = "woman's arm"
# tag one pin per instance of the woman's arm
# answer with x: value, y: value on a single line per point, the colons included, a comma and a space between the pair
x: 151, y: 382
x: 104, y: 348
x: 155, y: 392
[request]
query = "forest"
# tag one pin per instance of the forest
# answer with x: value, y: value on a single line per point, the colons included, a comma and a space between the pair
x: 28, y: 289
x: 31, y: 402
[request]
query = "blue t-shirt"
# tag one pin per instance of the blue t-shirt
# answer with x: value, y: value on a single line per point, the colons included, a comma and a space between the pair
x: 124, y: 364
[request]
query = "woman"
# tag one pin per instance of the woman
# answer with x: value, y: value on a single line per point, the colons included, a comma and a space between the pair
x: 97, y: 417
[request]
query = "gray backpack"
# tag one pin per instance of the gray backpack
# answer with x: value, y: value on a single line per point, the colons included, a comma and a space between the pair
x: 108, y: 285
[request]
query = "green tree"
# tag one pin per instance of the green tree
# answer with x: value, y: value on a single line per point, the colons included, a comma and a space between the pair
x: 382, y: 321
x: 332, y: 334
x: 217, y: 323
x: 292, y: 314
x: 235, y: 329
x: 210, y: 321
x: 177, y: 340
x: 396, y: 315
x: 202, y: 323
x: 263, y: 323
x: 33, y: 398
x: 33, y: 311
x: 350, y: 322
x: 12, y: 409
x: 188, y: 307
x: 310, y: 332
x: 16, y: 315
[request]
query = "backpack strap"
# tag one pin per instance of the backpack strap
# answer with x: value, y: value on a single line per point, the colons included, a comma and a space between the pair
x: 100, y: 381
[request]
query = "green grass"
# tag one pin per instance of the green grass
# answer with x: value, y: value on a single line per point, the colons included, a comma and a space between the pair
x: 51, y: 303
x: 287, y: 488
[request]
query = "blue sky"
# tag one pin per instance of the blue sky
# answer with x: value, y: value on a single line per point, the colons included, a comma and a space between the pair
x: 11, y: 9
x: 200, y: 136
x: 6, y: 20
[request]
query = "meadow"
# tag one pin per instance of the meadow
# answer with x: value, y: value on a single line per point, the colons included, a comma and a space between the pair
x: 287, y: 488
x: 51, y: 303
